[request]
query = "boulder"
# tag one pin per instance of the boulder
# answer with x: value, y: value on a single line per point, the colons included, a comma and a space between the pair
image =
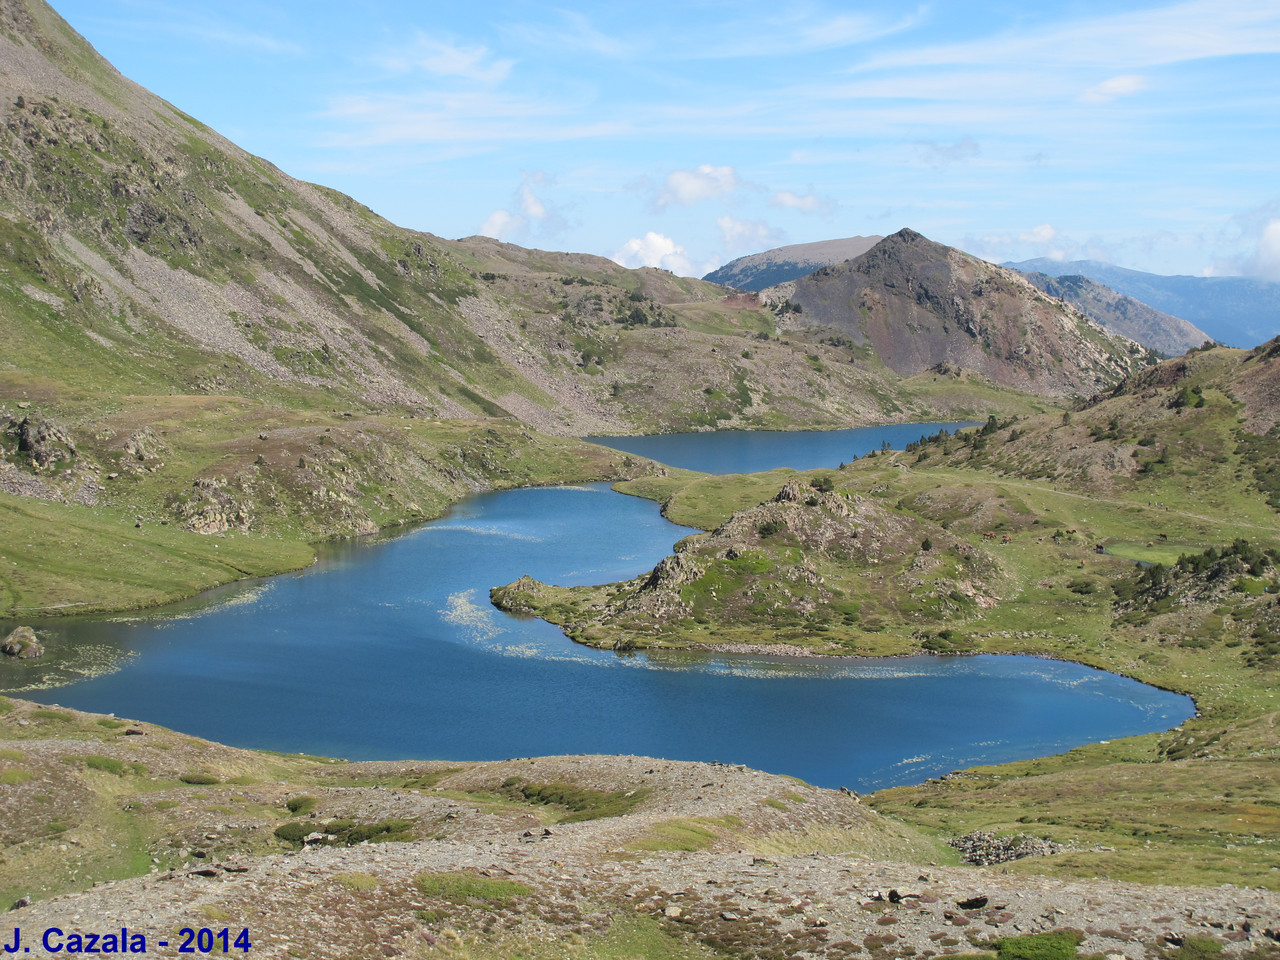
x: 22, y: 643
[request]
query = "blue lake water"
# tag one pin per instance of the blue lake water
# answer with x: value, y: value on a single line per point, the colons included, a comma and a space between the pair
x: 391, y: 649
x: 752, y: 451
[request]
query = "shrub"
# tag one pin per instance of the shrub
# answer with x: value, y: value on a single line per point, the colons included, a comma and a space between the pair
x: 301, y: 805
x: 199, y: 779
x: 770, y: 527
x: 293, y: 832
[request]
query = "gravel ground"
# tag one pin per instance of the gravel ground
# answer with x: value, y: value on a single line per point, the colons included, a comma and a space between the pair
x: 735, y: 896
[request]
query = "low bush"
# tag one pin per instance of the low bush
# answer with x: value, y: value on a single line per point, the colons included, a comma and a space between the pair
x: 293, y: 832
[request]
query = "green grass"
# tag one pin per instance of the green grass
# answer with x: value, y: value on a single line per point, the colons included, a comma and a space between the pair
x: 57, y: 716
x: 685, y: 834
x: 469, y: 888
x: 1152, y: 551
x: 1054, y: 945
x: 626, y: 938
x: 62, y: 558
x: 356, y: 882
x: 118, y: 768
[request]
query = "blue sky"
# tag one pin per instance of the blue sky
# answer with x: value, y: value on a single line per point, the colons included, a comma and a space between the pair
x: 685, y: 134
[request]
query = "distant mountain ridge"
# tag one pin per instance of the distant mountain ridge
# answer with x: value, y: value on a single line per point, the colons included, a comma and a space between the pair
x: 1172, y: 336
x: 1237, y: 311
x: 770, y: 267
x: 920, y: 305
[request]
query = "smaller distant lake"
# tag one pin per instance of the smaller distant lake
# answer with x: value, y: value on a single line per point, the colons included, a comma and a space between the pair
x: 753, y: 451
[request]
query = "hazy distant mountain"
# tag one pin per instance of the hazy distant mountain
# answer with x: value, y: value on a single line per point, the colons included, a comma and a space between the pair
x: 1237, y: 311
x: 921, y: 305
x: 1172, y: 336
x: 760, y: 270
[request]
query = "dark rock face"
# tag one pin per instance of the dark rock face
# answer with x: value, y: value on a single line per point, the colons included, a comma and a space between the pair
x: 921, y: 304
x: 22, y: 644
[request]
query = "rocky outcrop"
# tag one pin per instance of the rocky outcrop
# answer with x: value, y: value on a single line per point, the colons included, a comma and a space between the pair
x: 211, y: 508
x: 43, y: 440
x: 814, y: 559
x: 22, y: 644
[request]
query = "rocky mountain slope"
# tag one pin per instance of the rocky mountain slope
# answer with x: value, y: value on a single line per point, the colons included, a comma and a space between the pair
x: 918, y: 305
x: 759, y: 270
x: 1132, y: 318
x: 1238, y: 311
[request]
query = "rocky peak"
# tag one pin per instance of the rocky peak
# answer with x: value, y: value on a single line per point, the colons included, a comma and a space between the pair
x: 919, y: 304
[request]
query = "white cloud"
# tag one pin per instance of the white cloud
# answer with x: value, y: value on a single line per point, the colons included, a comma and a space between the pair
x: 503, y: 224
x: 1041, y: 234
x: 655, y: 250
x: 686, y: 187
x: 1266, y: 262
x: 752, y: 235
x: 535, y: 214
x: 530, y: 205
x: 805, y: 203
x: 447, y: 60
x: 1124, y: 85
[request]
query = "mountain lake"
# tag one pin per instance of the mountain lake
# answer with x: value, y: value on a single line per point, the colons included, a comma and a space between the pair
x: 389, y: 649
